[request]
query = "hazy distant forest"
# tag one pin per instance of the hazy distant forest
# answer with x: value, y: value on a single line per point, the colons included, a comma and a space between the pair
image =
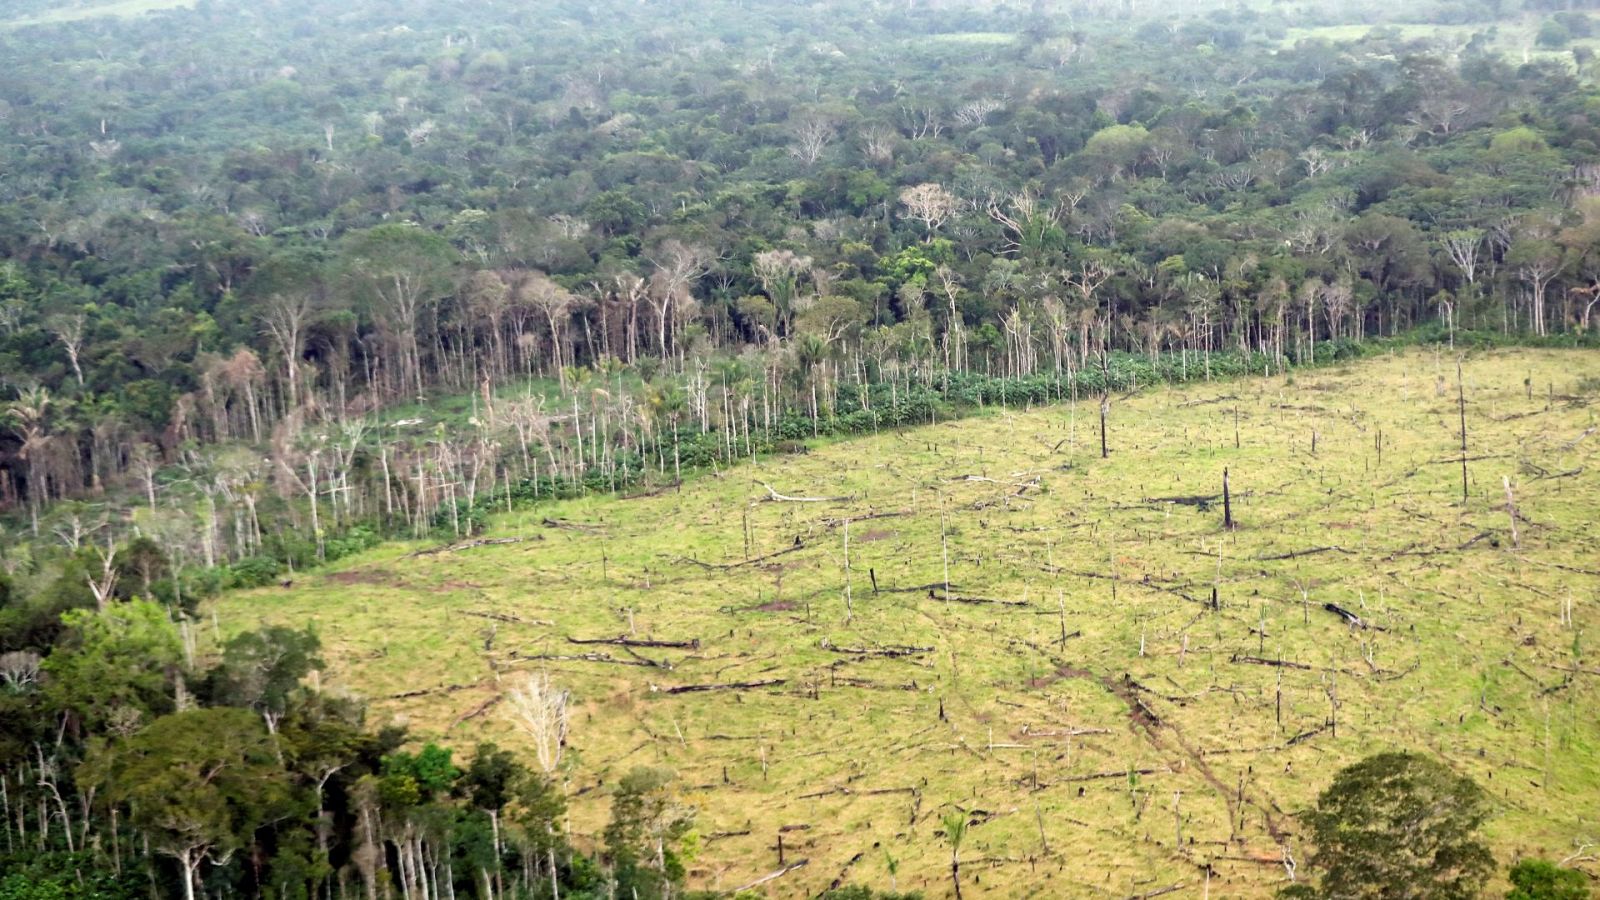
x: 280, y: 279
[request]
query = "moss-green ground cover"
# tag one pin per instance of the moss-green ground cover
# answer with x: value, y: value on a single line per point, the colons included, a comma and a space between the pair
x: 1347, y: 490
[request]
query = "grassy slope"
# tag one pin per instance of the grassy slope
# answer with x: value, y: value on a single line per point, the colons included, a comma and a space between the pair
x: 1464, y: 621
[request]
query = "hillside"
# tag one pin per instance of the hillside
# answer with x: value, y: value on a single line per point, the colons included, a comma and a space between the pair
x: 986, y: 615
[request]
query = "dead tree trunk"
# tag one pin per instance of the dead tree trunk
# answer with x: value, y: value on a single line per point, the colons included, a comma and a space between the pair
x: 1105, y: 409
x: 1227, y: 502
x: 1461, y: 405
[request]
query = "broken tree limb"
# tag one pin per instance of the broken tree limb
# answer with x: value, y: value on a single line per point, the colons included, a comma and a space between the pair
x: 1351, y: 617
x: 1261, y: 661
x: 572, y: 526
x: 625, y: 641
x: 505, y: 617
x: 888, y: 650
x: 774, y: 497
x: 476, y: 711
x: 728, y: 686
x: 464, y: 545
x: 1296, y: 554
x: 772, y: 876
x: 1120, y: 773
x: 754, y: 560
x: 598, y: 658
x: 951, y: 598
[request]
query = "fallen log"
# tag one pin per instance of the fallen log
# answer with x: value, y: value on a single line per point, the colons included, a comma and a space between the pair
x: 1259, y: 661
x: 892, y: 650
x: 625, y: 641
x: 505, y: 617
x: 1120, y: 773
x: 464, y: 545
x: 1296, y: 554
x: 571, y: 526
x: 951, y: 598
x: 424, y: 692
x: 598, y: 658
x: 1158, y: 892
x: 774, y: 497
x: 797, y: 545
x: 727, y: 686
x: 476, y: 711
x: 1350, y: 617
x: 772, y: 876
x: 1305, y: 736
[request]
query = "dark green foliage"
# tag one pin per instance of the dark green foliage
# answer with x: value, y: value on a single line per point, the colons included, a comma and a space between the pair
x: 1398, y: 825
x: 1538, y: 879
x: 259, y: 669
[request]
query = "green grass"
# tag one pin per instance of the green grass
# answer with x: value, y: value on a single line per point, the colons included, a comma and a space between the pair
x: 90, y: 9
x: 1471, y: 663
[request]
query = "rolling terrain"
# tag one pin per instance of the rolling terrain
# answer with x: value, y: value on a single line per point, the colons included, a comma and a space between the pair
x: 1121, y: 694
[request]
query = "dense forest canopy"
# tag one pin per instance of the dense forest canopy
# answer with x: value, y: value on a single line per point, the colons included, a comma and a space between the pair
x: 244, y: 245
x: 221, y: 218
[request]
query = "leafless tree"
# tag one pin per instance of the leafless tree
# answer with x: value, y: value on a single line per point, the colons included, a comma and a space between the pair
x: 812, y: 134
x: 929, y: 203
x: 540, y: 709
x: 19, y: 669
x: 69, y: 331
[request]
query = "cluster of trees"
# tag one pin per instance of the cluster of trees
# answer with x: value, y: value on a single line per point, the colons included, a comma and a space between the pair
x: 233, y: 237
x: 129, y: 769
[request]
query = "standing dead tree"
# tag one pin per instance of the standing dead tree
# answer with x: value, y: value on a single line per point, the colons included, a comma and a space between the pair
x: 540, y: 709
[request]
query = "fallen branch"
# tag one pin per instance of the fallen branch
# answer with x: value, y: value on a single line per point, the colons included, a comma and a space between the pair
x: 1120, y: 773
x: 476, y: 711
x: 729, y: 686
x: 772, y: 876
x: 624, y: 641
x: 1295, y: 554
x: 424, y: 692
x: 892, y: 650
x: 951, y: 598
x: 1350, y: 617
x: 774, y: 497
x: 797, y: 545
x: 1258, y: 661
x: 504, y: 617
x: 637, y: 660
x: 571, y: 526
x: 1305, y: 736
x: 464, y: 545
x: 1157, y: 892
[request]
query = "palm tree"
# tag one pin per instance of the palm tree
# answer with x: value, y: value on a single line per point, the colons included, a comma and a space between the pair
x: 955, y: 828
x: 27, y: 414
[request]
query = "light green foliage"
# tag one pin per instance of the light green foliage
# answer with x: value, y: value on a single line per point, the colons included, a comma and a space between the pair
x: 115, y: 664
x: 1023, y: 508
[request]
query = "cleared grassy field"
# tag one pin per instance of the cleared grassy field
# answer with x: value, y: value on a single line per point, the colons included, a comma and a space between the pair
x: 72, y: 12
x: 1106, y: 728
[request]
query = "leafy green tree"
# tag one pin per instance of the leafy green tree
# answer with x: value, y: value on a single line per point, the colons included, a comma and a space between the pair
x: 115, y: 666
x: 198, y: 785
x: 1398, y: 825
x: 260, y: 669
x: 1538, y: 879
x: 645, y: 839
